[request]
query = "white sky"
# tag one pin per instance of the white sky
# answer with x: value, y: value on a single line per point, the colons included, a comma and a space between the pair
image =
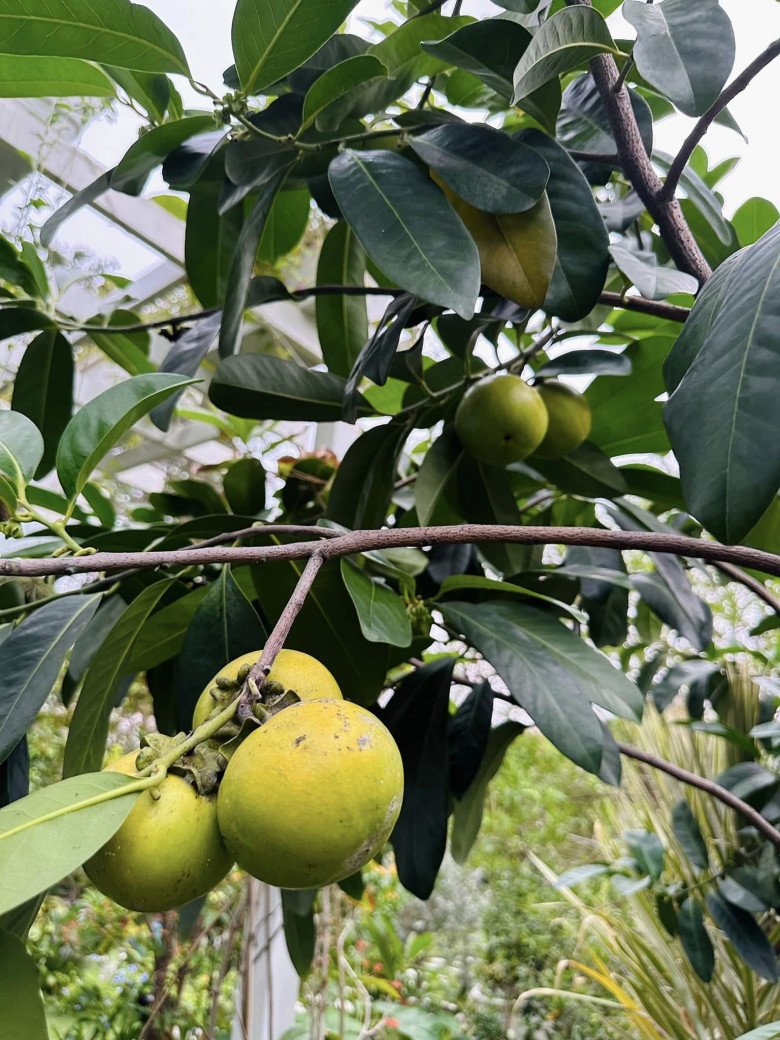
x: 203, y: 26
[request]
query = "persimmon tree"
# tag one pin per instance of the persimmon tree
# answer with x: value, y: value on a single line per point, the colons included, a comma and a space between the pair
x: 493, y: 181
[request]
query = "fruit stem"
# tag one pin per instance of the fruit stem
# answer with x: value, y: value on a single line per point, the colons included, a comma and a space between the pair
x: 197, y: 736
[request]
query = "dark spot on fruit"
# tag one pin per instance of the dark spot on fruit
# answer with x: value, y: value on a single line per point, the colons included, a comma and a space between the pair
x: 364, y: 742
x: 507, y: 438
x: 299, y: 740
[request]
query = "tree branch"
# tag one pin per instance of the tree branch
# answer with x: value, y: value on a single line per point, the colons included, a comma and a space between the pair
x: 636, y: 164
x: 721, y: 793
x: 657, y: 308
x: 755, y: 586
x: 709, y: 117
x: 363, y: 541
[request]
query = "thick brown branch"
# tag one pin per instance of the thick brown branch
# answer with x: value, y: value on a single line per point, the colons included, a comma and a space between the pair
x: 363, y: 541
x: 639, y: 170
x: 657, y: 308
x: 755, y: 586
x: 709, y: 117
x: 721, y: 793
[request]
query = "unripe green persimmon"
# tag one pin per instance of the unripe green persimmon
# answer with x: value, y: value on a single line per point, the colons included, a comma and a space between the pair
x: 291, y: 669
x: 312, y: 795
x: 167, y: 852
x: 570, y: 420
x: 501, y: 419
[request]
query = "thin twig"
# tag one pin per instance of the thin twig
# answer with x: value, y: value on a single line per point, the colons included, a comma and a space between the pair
x: 755, y: 586
x: 657, y: 308
x: 363, y: 541
x: 704, y: 122
x: 693, y: 780
x: 637, y: 166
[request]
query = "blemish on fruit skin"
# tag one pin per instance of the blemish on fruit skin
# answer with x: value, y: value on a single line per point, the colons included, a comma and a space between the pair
x: 299, y: 740
x: 364, y: 742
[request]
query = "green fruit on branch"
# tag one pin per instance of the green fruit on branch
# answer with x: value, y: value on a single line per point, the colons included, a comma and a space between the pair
x: 292, y: 670
x: 569, y: 423
x: 312, y: 795
x: 501, y: 419
x: 167, y: 852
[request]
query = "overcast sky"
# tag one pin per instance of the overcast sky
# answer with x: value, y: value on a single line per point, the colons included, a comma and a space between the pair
x: 204, y: 29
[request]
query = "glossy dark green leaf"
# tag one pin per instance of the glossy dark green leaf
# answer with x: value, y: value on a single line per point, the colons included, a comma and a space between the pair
x: 185, y: 358
x: 468, y: 733
x: 363, y: 486
x: 241, y: 269
x: 407, y: 227
x: 31, y: 659
x: 89, y: 726
x: 16, y: 320
x: 129, y: 350
x: 97, y: 427
x: 299, y: 932
x: 162, y: 633
x: 729, y: 465
x: 647, y: 850
x: 568, y: 39
x: 153, y: 92
x: 342, y: 321
x: 687, y: 615
x: 433, y: 488
x: 380, y: 611
x: 244, y: 486
x: 485, y: 496
x: 24, y: 1017
x: 688, y: 833
x: 684, y: 48
x: 653, y: 280
x: 88, y: 643
x: 376, y: 358
x: 746, y: 936
x: 38, y: 848
x: 286, y: 225
x: 15, y: 777
x: 487, y: 168
x: 337, y: 81
x: 585, y: 471
x: 273, y: 37
x: 694, y: 938
x: 417, y: 715
x: 326, y: 627
x: 25, y: 77
x: 626, y: 416
x: 211, y: 238
x: 586, y: 362
x: 581, y: 259
x: 126, y: 34
x: 225, y: 626
x: 753, y: 219
x: 583, y: 125
x: 550, y: 671
x: 148, y: 152
x: 705, y: 202
x: 21, y: 450
x: 256, y: 386
x: 467, y: 815
x: 43, y: 390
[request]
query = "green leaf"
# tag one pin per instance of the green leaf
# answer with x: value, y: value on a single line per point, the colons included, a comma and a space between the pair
x: 43, y: 391
x: 487, y: 168
x: 768, y: 1032
x: 753, y: 219
x: 129, y: 350
x: 82, y: 198
x: 746, y: 936
x: 326, y: 627
x: 148, y: 152
x: 97, y: 427
x: 243, y: 264
x: 273, y: 37
x: 434, y: 484
x: 570, y: 38
x: 20, y: 995
x: 647, y: 850
x: 21, y: 450
x: 705, y: 202
x: 16, y: 320
x: 581, y: 258
x: 342, y: 321
x: 123, y: 33
x: 380, y: 611
x: 225, y: 626
x: 162, y: 634
x: 626, y: 416
x: 694, y: 938
x: 24, y: 77
x: 729, y: 465
x: 456, y: 582
x: 417, y: 715
x: 256, y: 386
x: 677, y: 607
x: 407, y: 227
x: 286, y: 225
x: 684, y: 49
x: 244, y: 486
x: 46, y: 835
x: 89, y: 726
x: 550, y: 671
x: 467, y: 815
x: 299, y: 932
x: 485, y: 496
x: 154, y: 93
x: 185, y: 358
x: 585, y: 471
x: 211, y: 237
x: 587, y: 362
x: 363, y: 485
x: 467, y: 736
x: 653, y: 280
x: 337, y: 81
x: 31, y: 659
